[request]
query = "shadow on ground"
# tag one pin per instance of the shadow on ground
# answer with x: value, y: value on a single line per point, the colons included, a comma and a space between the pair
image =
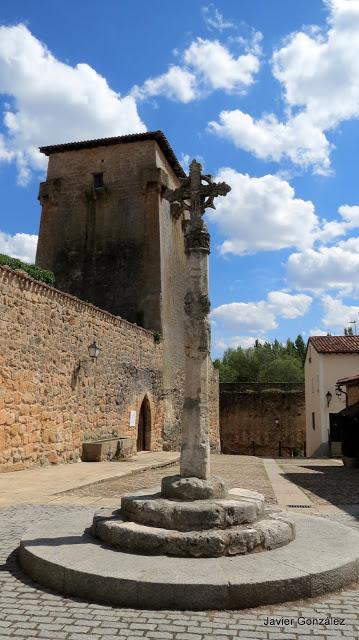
x: 326, y: 484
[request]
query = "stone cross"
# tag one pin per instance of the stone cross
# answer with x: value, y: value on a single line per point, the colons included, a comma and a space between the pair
x: 196, y: 194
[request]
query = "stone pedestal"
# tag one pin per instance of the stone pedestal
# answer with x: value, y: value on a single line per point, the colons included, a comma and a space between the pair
x: 149, y: 523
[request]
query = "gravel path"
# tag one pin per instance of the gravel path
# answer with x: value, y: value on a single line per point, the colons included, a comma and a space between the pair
x: 244, y: 471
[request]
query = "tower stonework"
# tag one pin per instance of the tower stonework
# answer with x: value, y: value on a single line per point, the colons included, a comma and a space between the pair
x: 109, y: 236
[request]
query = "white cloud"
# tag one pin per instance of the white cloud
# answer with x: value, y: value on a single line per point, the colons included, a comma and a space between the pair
x: 287, y: 305
x: 262, y: 214
x: 54, y: 102
x: 214, y: 19
x: 297, y: 140
x: 263, y: 315
x: 176, y: 84
x: 336, y: 228
x: 317, y: 332
x: 319, y: 73
x: 216, y: 67
x: 237, y: 341
x: 207, y: 66
x: 337, y: 315
x: 334, y: 267
x: 21, y: 246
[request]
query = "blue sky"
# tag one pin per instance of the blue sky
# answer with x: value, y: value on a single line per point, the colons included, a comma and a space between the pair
x: 264, y: 92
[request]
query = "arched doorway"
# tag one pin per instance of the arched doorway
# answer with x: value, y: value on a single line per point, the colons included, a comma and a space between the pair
x: 144, y: 427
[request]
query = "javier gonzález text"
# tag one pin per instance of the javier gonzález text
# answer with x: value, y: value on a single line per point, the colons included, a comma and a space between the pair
x: 303, y: 621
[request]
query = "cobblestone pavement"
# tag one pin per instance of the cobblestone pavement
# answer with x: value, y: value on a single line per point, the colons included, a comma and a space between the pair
x: 28, y: 611
x: 247, y: 472
x: 324, y: 483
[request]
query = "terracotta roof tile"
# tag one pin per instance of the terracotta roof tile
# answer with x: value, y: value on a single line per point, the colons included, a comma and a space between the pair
x: 133, y: 137
x: 349, y: 380
x: 335, y: 344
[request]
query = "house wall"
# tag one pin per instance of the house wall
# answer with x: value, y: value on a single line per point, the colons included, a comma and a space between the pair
x: 322, y: 370
x: 248, y: 414
x: 52, y: 396
x: 353, y: 393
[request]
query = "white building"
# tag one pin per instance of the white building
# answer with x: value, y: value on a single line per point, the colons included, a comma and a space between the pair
x: 328, y: 358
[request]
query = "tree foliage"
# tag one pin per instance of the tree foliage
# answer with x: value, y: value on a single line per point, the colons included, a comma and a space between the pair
x: 268, y: 362
x: 31, y: 269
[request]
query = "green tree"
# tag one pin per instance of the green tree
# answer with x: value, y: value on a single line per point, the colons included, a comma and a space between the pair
x: 285, y: 369
x: 264, y: 362
x: 300, y: 348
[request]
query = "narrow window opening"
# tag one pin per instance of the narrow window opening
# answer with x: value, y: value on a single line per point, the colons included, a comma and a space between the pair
x: 313, y: 420
x: 98, y: 180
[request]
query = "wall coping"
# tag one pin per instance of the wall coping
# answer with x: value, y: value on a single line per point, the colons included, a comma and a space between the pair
x: 72, y: 300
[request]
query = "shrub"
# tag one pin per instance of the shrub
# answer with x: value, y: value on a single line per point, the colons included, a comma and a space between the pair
x: 31, y: 269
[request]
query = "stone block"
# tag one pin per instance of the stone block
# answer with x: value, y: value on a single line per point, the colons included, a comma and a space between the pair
x: 182, y: 488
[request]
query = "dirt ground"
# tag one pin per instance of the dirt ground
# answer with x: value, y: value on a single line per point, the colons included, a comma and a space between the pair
x: 246, y: 472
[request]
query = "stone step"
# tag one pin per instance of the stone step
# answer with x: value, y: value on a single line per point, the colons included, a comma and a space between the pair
x: 266, y: 533
x: 148, y: 508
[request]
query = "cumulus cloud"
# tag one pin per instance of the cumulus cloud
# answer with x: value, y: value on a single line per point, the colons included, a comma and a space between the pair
x: 335, y: 267
x: 338, y: 315
x: 262, y: 214
x: 269, y: 139
x: 320, y: 71
x: 263, y: 315
x: 216, y: 67
x: 319, y: 74
x: 53, y: 102
x: 208, y: 65
x: 335, y: 228
x: 21, y: 246
x: 176, y: 84
x: 237, y: 341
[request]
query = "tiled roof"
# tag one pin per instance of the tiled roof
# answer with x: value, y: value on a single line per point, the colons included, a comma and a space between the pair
x: 134, y: 137
x: 335, y: 344
x: 349, y: 380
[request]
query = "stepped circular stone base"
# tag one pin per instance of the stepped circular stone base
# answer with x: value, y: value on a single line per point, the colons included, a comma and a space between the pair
x: 178, y: 488
x: 151, y: 509
x: 60, y: 556
x: 118, y: 532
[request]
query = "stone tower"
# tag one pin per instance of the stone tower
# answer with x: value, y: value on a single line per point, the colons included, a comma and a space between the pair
x: 109, y: 236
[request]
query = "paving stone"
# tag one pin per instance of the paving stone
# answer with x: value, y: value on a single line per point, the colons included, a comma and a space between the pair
x: 108, y: 623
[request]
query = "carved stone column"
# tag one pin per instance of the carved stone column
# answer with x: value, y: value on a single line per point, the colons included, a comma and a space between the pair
x: 195, y: 431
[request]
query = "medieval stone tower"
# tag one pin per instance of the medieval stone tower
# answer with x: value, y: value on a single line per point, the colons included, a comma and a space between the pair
x: 108, y: 235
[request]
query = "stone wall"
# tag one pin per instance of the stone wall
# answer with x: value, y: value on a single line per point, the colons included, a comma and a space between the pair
x: 248, y: 414
x: 352, y: 390
x: 52, y: 396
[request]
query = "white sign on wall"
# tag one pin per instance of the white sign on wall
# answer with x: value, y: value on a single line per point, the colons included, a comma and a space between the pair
x: 132, y: 418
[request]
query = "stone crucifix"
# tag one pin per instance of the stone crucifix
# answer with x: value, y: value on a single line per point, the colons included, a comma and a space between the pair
x: 195, y: 194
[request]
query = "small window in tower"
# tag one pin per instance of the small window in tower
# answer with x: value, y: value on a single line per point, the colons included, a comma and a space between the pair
x: 98, y: 180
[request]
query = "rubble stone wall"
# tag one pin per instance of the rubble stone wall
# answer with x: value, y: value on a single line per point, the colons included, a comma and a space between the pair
x: 52, y: 396
x: 248, y: 415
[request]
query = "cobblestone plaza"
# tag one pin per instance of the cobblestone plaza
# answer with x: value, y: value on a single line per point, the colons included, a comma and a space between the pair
x: 28, y: 611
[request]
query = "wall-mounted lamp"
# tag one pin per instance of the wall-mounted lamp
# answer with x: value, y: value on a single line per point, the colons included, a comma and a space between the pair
x: 276, y: 422
x: 340, y: 392
x: 328, y: 396
x: 94, y: 351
